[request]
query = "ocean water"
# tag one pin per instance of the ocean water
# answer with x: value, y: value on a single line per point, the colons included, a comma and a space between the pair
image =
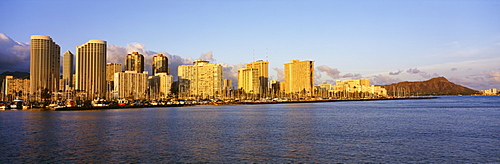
x: 445, y: 130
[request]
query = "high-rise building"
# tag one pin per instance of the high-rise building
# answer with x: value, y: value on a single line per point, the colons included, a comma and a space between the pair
x: 248, y: 80
x: 160, y: 64
x: 91, y: 69
x: 299, y: 77
x: 44, y: 66
x: 200, y: 79
x: 130, y: 85
x: 68, y: 71
x: 134, y: 62
x: 227, y: 88
x: 257, y: 77
x: 160, y: 85
x: 111, y: 69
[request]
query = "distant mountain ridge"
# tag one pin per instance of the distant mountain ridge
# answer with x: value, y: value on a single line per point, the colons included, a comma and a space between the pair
x: 434, y: 86
x: 16, y: 74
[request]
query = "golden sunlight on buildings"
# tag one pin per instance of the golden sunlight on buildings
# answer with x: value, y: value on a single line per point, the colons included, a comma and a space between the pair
x: 200, y: 79
x: 299, y: 77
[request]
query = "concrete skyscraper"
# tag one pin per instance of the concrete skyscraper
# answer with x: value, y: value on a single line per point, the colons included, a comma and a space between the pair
x: 91, y: 69
x: 134, y: 62
x: 160, y: 64
x: 299, y: 77
x: 44, y: 65
x: 68, y: 70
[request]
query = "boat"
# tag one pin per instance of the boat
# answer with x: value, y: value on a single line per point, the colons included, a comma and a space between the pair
x: 4, y: 105
x: 122, y: 102
x: 100, y: 103
x: 18, y: 104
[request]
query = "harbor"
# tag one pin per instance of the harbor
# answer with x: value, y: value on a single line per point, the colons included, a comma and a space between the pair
x: 103, y: 104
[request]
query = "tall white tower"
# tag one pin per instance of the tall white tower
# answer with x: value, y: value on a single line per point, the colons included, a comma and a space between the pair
x: 91, y: 69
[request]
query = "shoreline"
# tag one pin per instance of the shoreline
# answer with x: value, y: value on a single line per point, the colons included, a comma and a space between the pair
x: 233, y: 103
x: 225, y: 103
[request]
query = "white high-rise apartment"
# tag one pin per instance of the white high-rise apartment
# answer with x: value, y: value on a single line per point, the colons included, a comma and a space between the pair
x: 91, y: 69
x: 44, y: 66
x: 200, y: 80
x: 130, y: 85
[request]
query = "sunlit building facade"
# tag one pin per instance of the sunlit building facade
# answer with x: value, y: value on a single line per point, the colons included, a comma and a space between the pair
x: 130, y: 85
x: 255, y: 77
x: 134, y: 62
x: 248, y: 80
x: 160, y: 64
x: 492, y: 91
x: 68, y: 71
x: 44, y: 66
x: 15, y: 88
x: 160, y: 86
x: 200, y: 80
x: 91, y: 70
x: 361, y: 86
x: 299, y: 77
x: 111, y: 69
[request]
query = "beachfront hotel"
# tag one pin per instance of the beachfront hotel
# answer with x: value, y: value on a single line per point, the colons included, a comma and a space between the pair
x: 254, y: 78
x: 44, y: 65
x: 91, y: 69
x: 299, y: 77
x: 201, y: 79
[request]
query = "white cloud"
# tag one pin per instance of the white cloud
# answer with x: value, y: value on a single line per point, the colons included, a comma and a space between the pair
x: 334, y: 73
x: 493, y: 77
x: 383, y: 80
x: 395, y: 73
x: 15, y: 56
x: 280, y: 74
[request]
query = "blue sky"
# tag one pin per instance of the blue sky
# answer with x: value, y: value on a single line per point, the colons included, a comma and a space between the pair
x: 387, y: 41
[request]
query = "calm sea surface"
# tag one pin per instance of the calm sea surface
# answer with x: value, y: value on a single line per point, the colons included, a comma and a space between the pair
x: 445, y: 130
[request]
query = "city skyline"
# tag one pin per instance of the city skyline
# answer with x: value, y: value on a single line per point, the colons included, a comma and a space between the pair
x: 387, y: 41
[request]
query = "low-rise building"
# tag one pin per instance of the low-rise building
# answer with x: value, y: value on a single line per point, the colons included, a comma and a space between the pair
x: 492, y: 91
x: 15, y: 88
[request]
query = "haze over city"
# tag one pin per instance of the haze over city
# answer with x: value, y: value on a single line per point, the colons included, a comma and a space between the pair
x: 386, y: 41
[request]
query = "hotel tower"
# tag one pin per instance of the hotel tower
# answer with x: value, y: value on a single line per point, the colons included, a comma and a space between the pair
x: 91, y: 69
x: 44, y: 65
x: 254, y: 78
x: 299, y: 77
x: 200, y: 79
